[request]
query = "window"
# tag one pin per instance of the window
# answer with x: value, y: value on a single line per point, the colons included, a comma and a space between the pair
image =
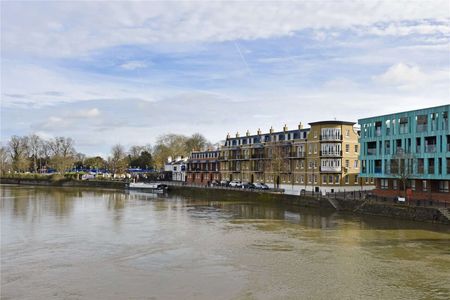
x: 356, y: 148
x: 309, y: 178
x: 347, y: 148
x: 347, y: 133
x: 356, y: 179
x: 330, y: 179
x: 394, y: 184
x: 315, y: 178
x: 443, y: 186
x: 324, y: 179
x: 412, y: 184
x: 424, y: 186
x: 336, y: 179
x: 384, y: 184
x: 302, y: 179
x: 356, y: 164
x: 346, y: 179
x: 347, y: 163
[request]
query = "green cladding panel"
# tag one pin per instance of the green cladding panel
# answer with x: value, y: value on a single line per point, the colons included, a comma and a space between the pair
x: 417, y: 141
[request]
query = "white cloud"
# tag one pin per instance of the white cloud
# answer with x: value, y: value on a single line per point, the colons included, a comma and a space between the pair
x: 77, y: 27
x: 89, y: 113
x: 408, y: 77
x: 133, y: 65
x: 30, y: 85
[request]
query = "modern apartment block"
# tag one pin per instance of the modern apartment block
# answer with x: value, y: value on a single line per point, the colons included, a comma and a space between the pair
x: 323, y: 158
x: 203, y: 167
x: 408, y: 151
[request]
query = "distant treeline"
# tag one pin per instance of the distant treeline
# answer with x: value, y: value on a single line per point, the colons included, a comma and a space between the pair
x: 32, y: 153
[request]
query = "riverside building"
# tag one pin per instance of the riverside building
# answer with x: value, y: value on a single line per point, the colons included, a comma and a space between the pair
x: 203, y: 167
x: 322, y: 158
x: 408, y: 153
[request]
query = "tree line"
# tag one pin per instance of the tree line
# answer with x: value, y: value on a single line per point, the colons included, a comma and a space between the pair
x: 32, y: 153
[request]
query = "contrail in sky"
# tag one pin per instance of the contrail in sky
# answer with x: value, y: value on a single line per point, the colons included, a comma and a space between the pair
x: 242, y: 56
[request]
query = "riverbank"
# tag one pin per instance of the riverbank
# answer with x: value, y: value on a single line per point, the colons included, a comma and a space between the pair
x: 366, y: 207
x: 64, y: 182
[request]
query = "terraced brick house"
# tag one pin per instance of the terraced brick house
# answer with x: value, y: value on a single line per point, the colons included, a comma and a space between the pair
x: 323, y: 158
x: 203, y: 167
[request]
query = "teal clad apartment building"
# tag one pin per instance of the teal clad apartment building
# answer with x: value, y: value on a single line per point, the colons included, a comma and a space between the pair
x: 408, y: 151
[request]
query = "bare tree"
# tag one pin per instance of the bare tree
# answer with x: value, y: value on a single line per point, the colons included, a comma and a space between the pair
x: 117, y: 161
x: 278, y: 163
x: 402, y: 167
x: 63, y: 153
x: 18, y: 149
x: 34, y: 145
x: 4, y: 160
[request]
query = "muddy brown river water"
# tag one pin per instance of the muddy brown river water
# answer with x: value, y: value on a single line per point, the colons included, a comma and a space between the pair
x: 68, y: 243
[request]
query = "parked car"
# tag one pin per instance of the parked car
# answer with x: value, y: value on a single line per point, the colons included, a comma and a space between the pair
x: 264, y: 186
x: 247, y: 185
x: 214, y: 183
x: 257, y: 185
x: 224, y: 182
x: 235, y: 183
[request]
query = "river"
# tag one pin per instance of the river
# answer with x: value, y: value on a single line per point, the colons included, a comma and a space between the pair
x: 69, y: 243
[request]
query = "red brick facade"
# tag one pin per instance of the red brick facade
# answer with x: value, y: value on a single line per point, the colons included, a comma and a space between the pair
x: 203, y: 167
x: 431, y: 190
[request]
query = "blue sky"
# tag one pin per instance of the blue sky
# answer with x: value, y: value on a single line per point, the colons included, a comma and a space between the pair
x: 126, y: 72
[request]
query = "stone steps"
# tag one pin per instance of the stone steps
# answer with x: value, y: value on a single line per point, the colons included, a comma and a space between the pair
x: 445, y: 212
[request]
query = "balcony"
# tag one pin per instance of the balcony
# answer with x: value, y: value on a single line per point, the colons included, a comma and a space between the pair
x: 331, y: 137
x: 378, y: 131
x: 331, y: 153
x: 372, y: 151
x: 421, y: 127
x: 430, y: 148
x: 330, y: 169
x: 420, y: 169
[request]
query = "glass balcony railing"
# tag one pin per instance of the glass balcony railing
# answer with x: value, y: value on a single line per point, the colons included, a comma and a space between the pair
x: 335, y: 137
x: 330, y: 153
x: 421, y: 128
x: 430, y: 148
x: 378, y: 131
x: 330, y: 169
x: 371, y: 151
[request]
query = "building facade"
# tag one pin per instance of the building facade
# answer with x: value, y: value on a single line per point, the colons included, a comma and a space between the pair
x: 177, y: 168
x: 203, y: 167
x: 408, y: 153
x: 322, y: 158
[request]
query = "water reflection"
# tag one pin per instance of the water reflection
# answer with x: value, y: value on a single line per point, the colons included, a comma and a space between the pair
x: 90, y: 244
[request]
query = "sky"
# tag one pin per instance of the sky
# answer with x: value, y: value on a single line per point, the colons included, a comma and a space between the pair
x: 126, y: 72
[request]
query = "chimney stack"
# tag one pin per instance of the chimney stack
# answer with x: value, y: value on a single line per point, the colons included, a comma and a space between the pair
x: 228, y: 135
x: 247, y: 133
x: 259, y: 131
x: 285, y: 128
x: 300, y: 126
x: 237, y: 134
x: 271, y: 129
